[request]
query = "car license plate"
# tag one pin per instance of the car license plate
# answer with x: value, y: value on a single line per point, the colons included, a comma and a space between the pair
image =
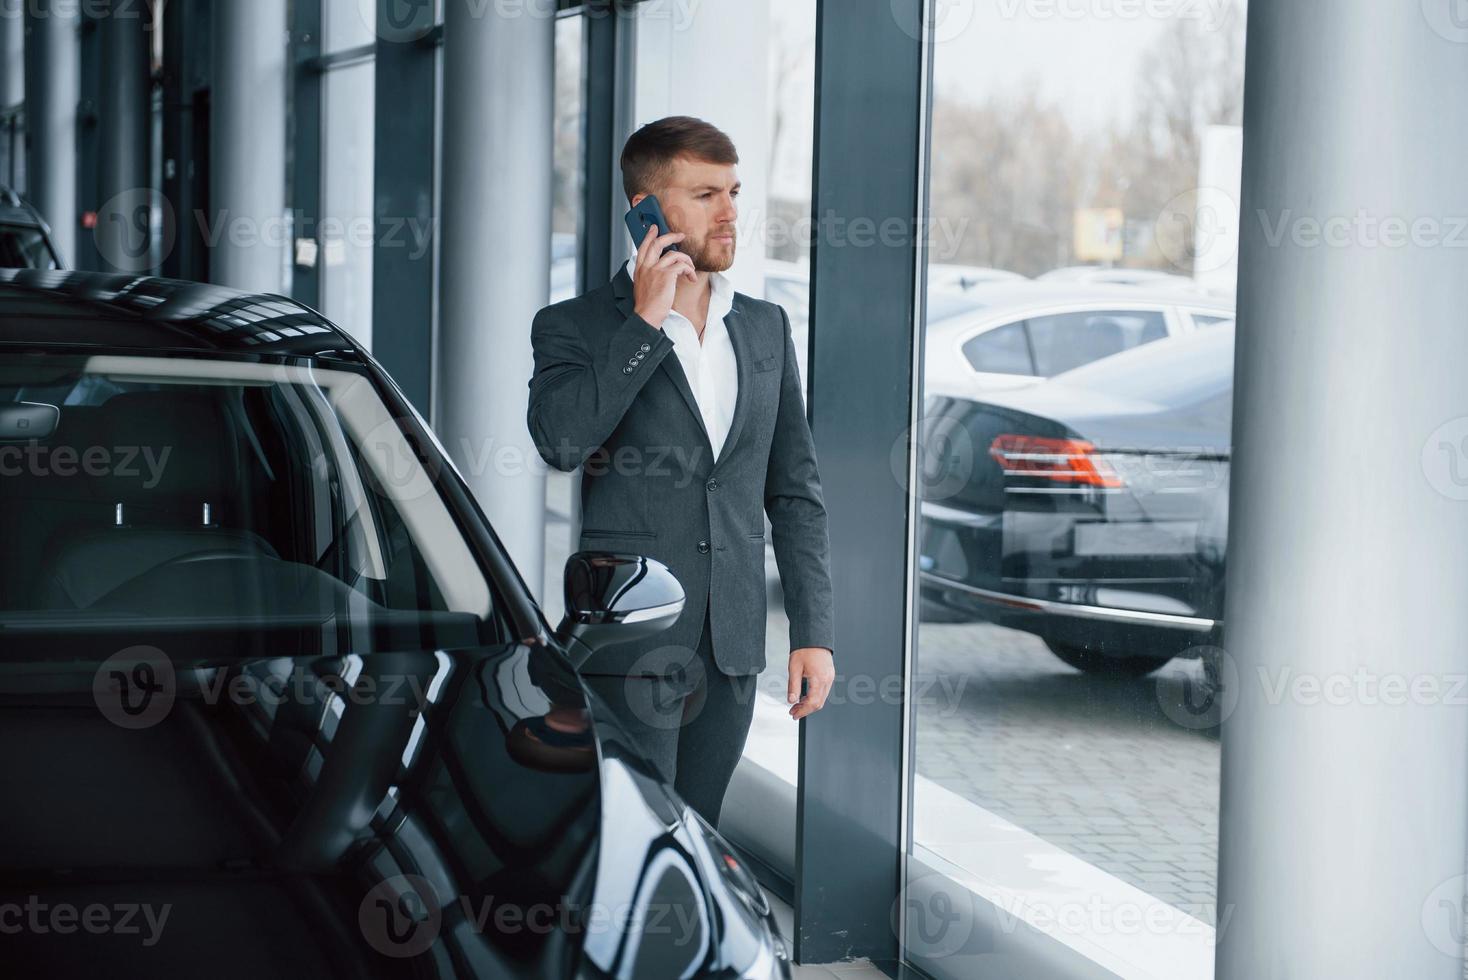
x: 1136, y: 538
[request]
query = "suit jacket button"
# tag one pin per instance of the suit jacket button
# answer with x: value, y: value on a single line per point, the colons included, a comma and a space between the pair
x: 703, y: 547
x: 712, y: 485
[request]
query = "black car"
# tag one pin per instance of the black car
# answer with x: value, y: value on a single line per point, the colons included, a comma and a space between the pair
x: 274, y: 700
x: 25, y: 238
x: 1090, y: 510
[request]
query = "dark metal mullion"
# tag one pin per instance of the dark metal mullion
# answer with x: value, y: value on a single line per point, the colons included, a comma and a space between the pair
x: 403, y: 280
x: 598, y: 145
x: 863, y: 315
x: 304, y: 193
x: 88, y: 138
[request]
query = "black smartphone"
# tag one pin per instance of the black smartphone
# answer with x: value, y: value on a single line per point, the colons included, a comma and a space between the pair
x: 647, y: 213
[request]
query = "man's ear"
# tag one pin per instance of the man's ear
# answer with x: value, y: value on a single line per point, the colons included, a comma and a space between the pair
x: 637, y: 199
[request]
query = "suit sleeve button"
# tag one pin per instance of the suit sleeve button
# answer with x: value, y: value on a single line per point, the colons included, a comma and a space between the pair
x: 646, y: 348
x: 627, y: 370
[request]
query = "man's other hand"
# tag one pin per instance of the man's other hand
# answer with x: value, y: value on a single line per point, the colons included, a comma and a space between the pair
x: 816, y: 666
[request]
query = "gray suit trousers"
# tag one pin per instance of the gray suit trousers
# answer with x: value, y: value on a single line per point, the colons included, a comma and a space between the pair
x: 691, y: 724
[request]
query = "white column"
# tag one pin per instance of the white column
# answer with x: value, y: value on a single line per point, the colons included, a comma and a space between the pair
x: 498, y: 75
x: 1345, y: 785
x: 247, y: 145
x: 53, y: 86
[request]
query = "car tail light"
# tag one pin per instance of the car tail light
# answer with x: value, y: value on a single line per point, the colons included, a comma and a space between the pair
x: 1073, y: 462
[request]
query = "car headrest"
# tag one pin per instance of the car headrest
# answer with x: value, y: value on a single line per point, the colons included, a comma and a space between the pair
x: 182, y: 449
x: 1102, y: 337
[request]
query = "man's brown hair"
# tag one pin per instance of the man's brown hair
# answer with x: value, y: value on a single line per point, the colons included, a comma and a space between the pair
x: 649, y: 154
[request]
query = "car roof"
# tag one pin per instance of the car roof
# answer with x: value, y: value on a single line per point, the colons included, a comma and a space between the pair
x: 19, y: 216
x: 66, y: 311
x: 1018, y: 296
x: 15, y: 211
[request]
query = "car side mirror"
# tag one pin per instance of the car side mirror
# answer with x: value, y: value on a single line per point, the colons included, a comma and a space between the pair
x: 613, y: 598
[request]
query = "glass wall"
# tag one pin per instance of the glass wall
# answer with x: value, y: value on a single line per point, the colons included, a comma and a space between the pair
x: 769, y: 116
x: 568, y: 161
x: 1074, y: 456
x: 346, y: 234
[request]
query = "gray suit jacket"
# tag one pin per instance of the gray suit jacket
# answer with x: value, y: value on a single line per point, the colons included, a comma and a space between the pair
x: 609, y: 394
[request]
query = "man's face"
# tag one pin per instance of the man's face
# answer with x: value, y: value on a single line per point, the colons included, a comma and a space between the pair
x: 700, y: 200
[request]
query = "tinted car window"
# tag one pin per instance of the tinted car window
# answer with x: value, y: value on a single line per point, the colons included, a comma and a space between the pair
x: 24, y: 248
x: 1210, y: 319
x: 1174, y: 372
x: 292, y: 487
x: 1068, y: 340
x: 1002, y: 350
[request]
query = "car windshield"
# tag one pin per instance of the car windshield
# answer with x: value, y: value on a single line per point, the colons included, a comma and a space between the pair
x: 1176, y: 371
x: 176, y: 489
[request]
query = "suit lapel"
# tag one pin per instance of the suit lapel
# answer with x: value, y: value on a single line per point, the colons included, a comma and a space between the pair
x: 735, y: 322
x: 622, y: 289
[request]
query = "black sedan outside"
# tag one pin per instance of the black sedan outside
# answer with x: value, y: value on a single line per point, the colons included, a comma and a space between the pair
x: 1090, y: 510
x: 274, y: 699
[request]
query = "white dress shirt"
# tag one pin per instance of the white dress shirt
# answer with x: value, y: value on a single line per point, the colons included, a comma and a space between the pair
x: 711, y: 367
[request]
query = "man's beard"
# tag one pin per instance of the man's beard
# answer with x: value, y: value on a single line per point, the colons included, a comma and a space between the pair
x: 706, y: 259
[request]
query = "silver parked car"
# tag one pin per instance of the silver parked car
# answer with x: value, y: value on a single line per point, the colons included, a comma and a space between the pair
x: 1024, y: 332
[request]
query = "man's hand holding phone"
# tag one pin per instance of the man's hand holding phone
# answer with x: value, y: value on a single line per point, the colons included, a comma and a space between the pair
x: 656, y: 281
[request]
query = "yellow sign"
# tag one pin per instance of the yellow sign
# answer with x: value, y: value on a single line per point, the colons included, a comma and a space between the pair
x: 1098, y: 234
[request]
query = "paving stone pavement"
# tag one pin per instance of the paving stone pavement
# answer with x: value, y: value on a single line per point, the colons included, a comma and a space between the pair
x: 1092, y: 765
